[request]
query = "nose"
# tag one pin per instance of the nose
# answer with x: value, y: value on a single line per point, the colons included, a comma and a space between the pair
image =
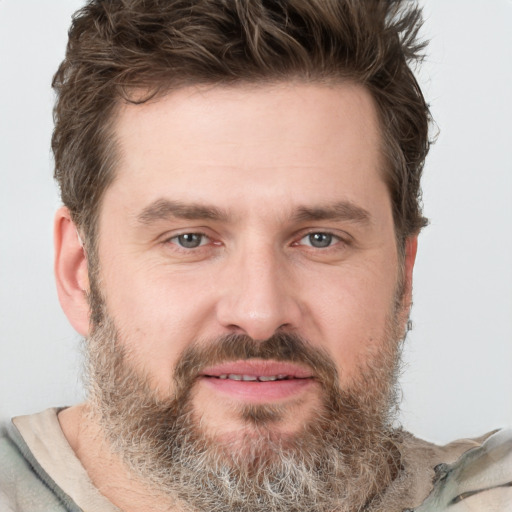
x: 259, y: 296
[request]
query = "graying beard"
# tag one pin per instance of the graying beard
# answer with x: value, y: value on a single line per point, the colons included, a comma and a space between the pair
x: 325, y: 468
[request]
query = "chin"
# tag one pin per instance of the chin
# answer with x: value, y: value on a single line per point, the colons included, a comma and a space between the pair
x: 282, y: 421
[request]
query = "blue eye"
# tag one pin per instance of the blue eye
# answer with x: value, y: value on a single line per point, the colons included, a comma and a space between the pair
x: 190, y: 240
x: 319, y: 240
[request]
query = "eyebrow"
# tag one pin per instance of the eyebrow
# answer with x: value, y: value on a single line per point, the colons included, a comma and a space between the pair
x: 340, y: 211
x: 163, y: 209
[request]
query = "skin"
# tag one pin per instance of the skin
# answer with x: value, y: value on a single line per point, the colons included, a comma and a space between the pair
x: 259, y: 156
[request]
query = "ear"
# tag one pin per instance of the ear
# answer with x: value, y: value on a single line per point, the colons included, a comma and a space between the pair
x: 71, y: 272
x: 411, y: 247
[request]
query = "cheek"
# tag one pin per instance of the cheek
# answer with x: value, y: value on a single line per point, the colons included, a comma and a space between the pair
x: 156, y: 317
x: 352, y: 313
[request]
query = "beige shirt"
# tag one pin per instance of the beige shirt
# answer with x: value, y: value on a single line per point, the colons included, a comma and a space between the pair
x: 43, y: 435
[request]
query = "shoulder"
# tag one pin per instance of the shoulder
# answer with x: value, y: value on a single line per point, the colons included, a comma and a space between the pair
x: 21, y: 489
x: 479, y: 480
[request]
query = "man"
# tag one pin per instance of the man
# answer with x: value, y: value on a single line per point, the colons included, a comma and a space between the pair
x: 241, y: 191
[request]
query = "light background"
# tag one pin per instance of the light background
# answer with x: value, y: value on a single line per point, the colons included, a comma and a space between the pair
x: 458, y: 377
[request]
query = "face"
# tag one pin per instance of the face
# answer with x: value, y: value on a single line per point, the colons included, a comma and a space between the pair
x: 249, y: 211
x: 248, y: 265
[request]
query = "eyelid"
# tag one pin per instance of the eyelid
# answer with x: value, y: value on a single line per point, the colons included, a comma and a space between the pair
x: 340, y: 236
x: 204, y: 239
x: 187, y: 230
x: 334, y: 240
x: 204, y: 236
x: 209, y: 242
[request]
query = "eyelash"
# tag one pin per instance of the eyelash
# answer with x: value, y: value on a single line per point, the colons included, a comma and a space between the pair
x: 333, y: 240
x: 174, y: 240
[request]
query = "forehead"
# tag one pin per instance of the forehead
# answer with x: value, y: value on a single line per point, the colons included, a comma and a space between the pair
x: 290, y: 142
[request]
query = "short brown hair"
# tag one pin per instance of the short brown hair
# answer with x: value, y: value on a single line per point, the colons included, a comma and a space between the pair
x: 117, y: 46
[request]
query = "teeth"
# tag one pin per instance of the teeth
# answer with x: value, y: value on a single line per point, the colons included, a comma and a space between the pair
x: 268, y: 379
x: 253, y: 378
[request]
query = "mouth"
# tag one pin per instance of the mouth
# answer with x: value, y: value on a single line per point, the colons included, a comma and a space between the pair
x: 253, y: 378
x: 258, y: 381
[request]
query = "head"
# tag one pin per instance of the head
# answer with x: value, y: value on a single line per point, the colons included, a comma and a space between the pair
x: 245, y: 178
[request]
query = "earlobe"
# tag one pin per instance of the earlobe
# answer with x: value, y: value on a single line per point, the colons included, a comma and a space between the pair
x: 71, y: 273
x: 411, y: 247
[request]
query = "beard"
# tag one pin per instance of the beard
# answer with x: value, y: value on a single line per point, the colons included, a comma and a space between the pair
x: 342, y: 460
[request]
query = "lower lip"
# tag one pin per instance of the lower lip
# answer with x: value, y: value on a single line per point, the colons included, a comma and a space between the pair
x: 259, y: 392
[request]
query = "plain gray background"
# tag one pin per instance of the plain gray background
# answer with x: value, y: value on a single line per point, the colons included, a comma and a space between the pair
x: 458, y: 377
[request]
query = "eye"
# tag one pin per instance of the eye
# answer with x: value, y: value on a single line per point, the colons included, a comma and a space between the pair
x: 319, y: 240
x: 190, y: 240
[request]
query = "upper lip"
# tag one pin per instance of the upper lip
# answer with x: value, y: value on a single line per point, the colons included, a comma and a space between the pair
x: 258, y: 368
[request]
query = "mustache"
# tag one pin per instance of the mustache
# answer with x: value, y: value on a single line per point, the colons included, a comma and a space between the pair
x: 284, y: 347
